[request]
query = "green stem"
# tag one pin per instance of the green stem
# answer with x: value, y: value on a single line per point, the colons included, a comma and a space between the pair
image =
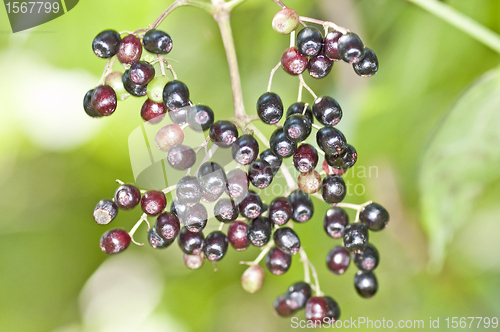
x: 462, y: 22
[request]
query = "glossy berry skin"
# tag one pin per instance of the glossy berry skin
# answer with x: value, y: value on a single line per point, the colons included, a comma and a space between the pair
x: 245, y: 149
x: 191, y: 243
x: 298, y: 108
x: 259, y: 231
x: 106, y: 43
x: 319, y: 66
x: 374, y: 216
x: 327, y: 111
x: 331, y: 141
x: 316, y: 309
x: 168, y: 225
x: 278, y: 262
x: 209, y: 197
x: 333, y: 189
x: 188, y: 190
x: 281, y: 145
x: 237, y: 183
x: 282, y: 308
x: 175, y: 95
x: 181, y: 157
x: 270, y: 108
x: 302, y: 206
x: 169, y: 136
x: 280, y: 211
x: 350, y: 48
x: 153, y: 112
x: 305, y: 159
x: 237, y: 235
x: 127, y: 196
x: 179, y: 209
x: 251, y: 205
x: 285, y: 21
x: 142, y: 72
x: 105, y: 211
x: 287, y: 240
x: 87, y: 105
x: 297, y: 128
x: 156, y: 241
x: 298, y: 294
x: 355, y: 237
x: 212, y: 178
x: 216, y: 244
x: 260, y: 173
x: 344, y: 161
x: 223, y: 133
x: 104, y: 100
x: 273, y: 160
x: 135, y: 90
x: 309, y: 183
x: 115, y: 241
x: 225, y: 210
x: 194, y: 262
x: 338, y: 260
x: 294, y: 62
x: 196, y: 218
x: 368, y: 65
x: 333, y: 309
x: 336, y: 219
x: 367, y: 259
x: 157, y: 42
x: 200, y: 118
x: 153, y: 202
x: 331, y: 44
x: 365, y: 283
x: 130, y: 50
x: 309, y: 41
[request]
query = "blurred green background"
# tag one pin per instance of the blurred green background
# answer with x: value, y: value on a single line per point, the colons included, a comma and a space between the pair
x: 428, y: 121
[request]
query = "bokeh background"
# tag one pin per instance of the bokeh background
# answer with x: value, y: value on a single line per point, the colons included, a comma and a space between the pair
x: 428, y: 122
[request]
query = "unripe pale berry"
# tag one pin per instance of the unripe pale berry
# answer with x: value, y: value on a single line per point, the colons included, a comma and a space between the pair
x: 285, y: 21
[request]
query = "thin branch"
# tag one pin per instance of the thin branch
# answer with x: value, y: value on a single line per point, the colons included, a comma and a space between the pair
x: 273, y: 71
x: 325, y: 24
x: 303, y: 83
x: 144, y: 217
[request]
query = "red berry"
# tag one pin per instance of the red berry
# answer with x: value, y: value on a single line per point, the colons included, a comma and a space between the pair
x: 294, y: 62
x: 153, y: 202
x: 115, y: 241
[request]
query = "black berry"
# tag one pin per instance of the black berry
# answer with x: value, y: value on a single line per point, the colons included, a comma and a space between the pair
x: 336, y: 219
x: 374, y: 216
x: 297, y: 127
x: 237, y: 235
x: 200, y: 118
x: 368, y: 65
x: 350, y: 47
x: 175, y: 95
x: 259, y: 231
x: 106, y: 43
x: 215, y: 246
x: 196, y: 218
x: 245, y: 149
x: 298, y: 294
x: 134, y: 89
x: 333, y: 189
x: 327, y: 111
x: 305, y: 158
x: 168, y: 225
x: 270, y: 108
x: 287, y: 240
x: 157, y: 42
x: 300, y: 108
x: 87, y: 105
x: 251, y: 205
x: 127, y: 196
x: 365, y: 283
x: 367, y: 259
x: 225, y: 210
x: 309, y: 41
x: 181, y: 157
x: 237, y: 183
x: 331, y: 141
x: 281, y: 145
x: 141, y: 72
x: 260, y: 173
x: 277, y: 261
x: 273, y: 160
x: 223, y: 133
x: 319, y: 66
x: 280, y: 211
x: 338, y: 260
x: 303, y: 208
x: 191, y: 243
x: 355, y: 237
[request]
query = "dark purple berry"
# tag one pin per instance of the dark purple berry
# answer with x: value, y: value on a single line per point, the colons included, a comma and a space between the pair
x: 338, y: 260
x: 374, y: 216
x: 333, y: 309
x: 319, y: 66
x: 179, y: 209
x: 196, y: 218
x: 245, y: 149
x: 316, y: 309
x: 260, y: 173
x: 212, y: 178
x: 215, y: 246
x: 297, y: 128
x: 106, y: 43
x: 294, y: 62
x: 278, y: 262
x: 130, y: 50
x: 327, y: 111
x: 225, y: 210
x: 330, y: 48
x: 153, y: 112
x: 303, y: 208
x: 367, y: 259
x: 115, y: 241
x: 156, y: 241
x: 153, y: 202
x: 298, y: 294
x: 191, y: 243
x: 223, y: 133
x: 251, y: 205
x: 287, y: 240
x: 331, y: 141
x: 175, y: 95
x: 343, y: 161
x: 365, y: 283
x: 157, y: 42
x: 281, y: 145
x: 127, y: 196
x: 88, y: 107
x: 368, y: 65
x: 259, y: 231
x: 141, y: 72
x: 355, y: 237
x: 200, y: 118
x: 188, y: 190
x: 273, y: 160
x: 281, y: 307
x: 135, y: 90
x: 181, y: 157
x: 237, y: 183
x: 305, y: 158
x: 270, y: 108
x: 335, y: 221
x: 168, y: 225
x: 280, y: 211
x: 104, y: 100
x: 333, y: 189
x: 237, y: 235
x: 298, y: 108
x: 105, y: 211
x: 350, y: 48
x: 309, y: 41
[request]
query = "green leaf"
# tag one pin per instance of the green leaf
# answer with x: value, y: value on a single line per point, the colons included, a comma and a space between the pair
x: 460, y: 165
